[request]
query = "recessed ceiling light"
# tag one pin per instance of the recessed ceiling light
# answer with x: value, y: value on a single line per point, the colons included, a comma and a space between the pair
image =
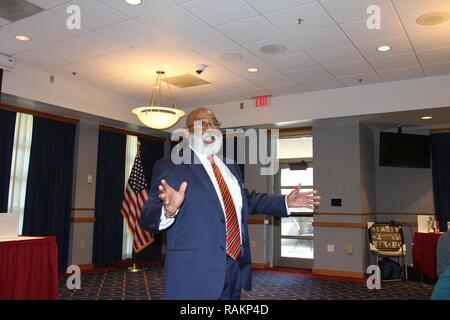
x: 133, y: 2
x: 427, y: 118
x: 252, y: 70
x: 433, y: 18
x: 384, y: 48
x: 273, y: 49
x: 231, y: 57
x: 22, y: 37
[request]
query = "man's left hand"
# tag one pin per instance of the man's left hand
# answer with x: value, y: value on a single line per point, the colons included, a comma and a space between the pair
x: 303, y: 199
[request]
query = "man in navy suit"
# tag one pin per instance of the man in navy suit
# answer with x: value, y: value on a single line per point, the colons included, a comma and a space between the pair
x: 204, y: 206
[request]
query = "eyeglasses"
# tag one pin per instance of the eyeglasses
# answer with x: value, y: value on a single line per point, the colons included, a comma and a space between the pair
x: 213, y: 123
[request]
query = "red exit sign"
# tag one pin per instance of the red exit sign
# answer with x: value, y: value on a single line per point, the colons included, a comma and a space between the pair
x: 262, y: 101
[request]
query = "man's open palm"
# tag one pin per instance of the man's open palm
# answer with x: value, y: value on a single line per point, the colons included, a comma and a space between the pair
x: 171, y: 198
x: 303, y: 199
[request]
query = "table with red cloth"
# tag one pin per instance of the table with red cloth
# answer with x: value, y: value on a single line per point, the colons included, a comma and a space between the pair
x: 28, y: 268
x: 424, y: 253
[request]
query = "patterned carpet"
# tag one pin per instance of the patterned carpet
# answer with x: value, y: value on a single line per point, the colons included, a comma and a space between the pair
x: 120, y: 284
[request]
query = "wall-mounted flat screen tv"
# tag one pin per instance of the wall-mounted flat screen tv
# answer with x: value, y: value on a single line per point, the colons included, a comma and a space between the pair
x: 404, y: 150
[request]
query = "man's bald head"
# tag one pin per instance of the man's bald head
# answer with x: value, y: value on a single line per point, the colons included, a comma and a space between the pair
x: 198, y: 114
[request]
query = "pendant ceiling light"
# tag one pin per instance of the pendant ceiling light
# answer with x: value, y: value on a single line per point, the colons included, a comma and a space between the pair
x: 155, y: 116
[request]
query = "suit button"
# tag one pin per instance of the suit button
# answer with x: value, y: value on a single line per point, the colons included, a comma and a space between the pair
x: 222, y: 220
x: 222, y: 247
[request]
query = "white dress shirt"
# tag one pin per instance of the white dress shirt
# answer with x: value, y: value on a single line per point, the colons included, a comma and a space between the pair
x: 231, y: 181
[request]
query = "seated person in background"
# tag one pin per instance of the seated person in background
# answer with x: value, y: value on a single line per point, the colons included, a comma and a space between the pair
x: 443, y: 253
x: 441, y: 290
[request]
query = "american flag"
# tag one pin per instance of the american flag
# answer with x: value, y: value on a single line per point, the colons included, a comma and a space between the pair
x: 136, y: 194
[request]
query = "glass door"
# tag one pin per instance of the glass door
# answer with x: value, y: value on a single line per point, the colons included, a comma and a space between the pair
x: 294, y: 236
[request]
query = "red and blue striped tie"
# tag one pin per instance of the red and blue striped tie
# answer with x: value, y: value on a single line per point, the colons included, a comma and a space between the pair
x: 232, y: 224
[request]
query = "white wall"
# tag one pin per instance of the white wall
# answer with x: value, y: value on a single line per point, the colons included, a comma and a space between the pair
x: 33, y: 84
x: 422, y: 93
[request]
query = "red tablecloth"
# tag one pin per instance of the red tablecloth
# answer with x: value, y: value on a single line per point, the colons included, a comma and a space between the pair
x: 29, y: 268
x: 424, y: 253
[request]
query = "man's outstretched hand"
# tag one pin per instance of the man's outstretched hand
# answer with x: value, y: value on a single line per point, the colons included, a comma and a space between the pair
x: 171, y: 198
x: 303, y: 199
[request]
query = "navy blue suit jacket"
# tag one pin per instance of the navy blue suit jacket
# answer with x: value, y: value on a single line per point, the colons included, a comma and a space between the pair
x: 195, y: 260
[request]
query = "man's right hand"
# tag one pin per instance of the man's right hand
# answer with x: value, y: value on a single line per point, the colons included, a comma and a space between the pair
x: 172, y: 199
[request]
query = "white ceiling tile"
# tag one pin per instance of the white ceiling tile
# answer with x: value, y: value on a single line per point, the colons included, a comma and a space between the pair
x: 320, y: 39
x: 402, y: 5
x: 89, y: 68
x: 216, y: 12
x: 44, y: 28
x: 273, y: 81
x: 145, y: 7
x: 358, y: 31
x: 336, y: 55
x: 349, y: 68
x: 401, y: 74
x: 437, y: 69
x: 47, y: 4
x: 199, y: 91
x: 312, y: 75
x: 360, y: 79
x: 399, y: 45
x: 94, y: 14
x: 327, y: 84
x: 435, y: 38
x: 216, y: 55
x: 264, y: 69
x: 291, y: 47
x: 173, y: 21
x: 132, y: 33
x: 218, y: 75
x: 434, y: 56
x: 409, y: 18
x: 344, y: 11
x: 204, y: 40
x: 52, y: 56
x: 181, y: 1
x: 287, y: 90
x: 292, y: 62
x: 241, y: 85
x: 250, y: 30
x: 133, y: 58
x: 265, y: 6
x: 96, y: 43
x: 394, y: 62
x: 313, y: 15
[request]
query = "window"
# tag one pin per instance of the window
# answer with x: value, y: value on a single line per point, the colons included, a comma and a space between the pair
x: 19, y: 166
x: 296, y: 166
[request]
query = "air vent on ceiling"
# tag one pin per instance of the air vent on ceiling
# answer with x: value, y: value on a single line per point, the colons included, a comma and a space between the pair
x: 14, y: 10
x: 186, y: 81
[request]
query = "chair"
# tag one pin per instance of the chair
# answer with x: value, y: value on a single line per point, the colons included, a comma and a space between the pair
x: 387, y: 240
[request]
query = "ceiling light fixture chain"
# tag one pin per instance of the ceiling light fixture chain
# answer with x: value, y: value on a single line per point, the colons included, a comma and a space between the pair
x: 154, y: 115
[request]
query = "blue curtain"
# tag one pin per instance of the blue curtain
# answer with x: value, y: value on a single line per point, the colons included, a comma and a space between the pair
x: 49, y: 185
x: 108, y: 232
x: 151, y: 150
x: 7, y: 126
x: 440, y: 162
